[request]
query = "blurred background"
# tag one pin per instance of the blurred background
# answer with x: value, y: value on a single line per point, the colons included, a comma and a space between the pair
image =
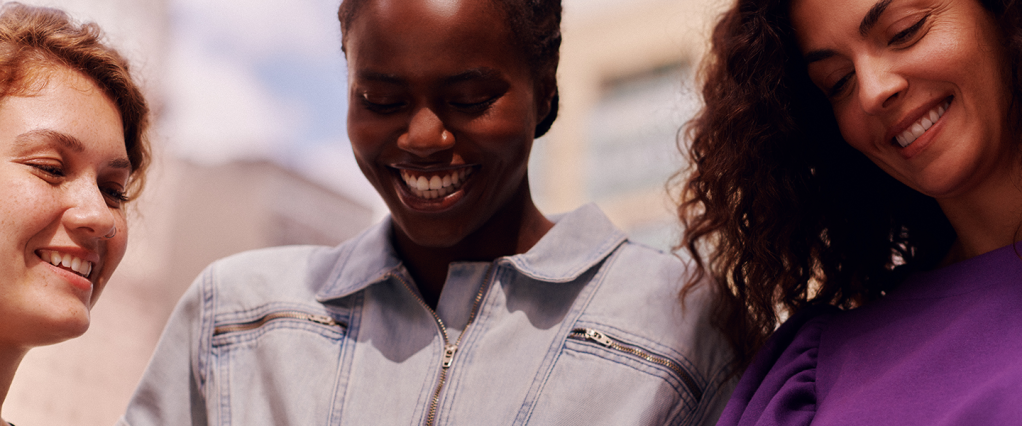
x: 251, y: 151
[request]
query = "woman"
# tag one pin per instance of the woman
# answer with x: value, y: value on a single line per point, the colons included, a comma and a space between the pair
x: 73, y: 152
x: 863, y: 154
x: 466, y: 306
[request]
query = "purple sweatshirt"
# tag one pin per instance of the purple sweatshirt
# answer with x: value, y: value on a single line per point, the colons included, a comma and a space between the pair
x: 943, y: 348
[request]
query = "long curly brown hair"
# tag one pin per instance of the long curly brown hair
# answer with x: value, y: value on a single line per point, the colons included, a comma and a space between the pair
x: 779, y: 210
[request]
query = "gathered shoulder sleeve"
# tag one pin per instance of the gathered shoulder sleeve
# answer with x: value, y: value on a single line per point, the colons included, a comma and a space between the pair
x: 779, y: 387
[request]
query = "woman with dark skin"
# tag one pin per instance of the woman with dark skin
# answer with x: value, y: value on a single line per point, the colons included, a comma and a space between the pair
x: 73, y: 152
x: 467, y: 305
x: 864, y: 154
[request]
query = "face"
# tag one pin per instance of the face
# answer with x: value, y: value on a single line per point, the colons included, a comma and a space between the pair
x: 64, y: 169
x: 918, y: 86
x: 442, y: 110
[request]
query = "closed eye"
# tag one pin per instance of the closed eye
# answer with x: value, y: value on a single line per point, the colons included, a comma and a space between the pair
x: 907, y: 33
x: 382, y: 108
x: 49, y: 169
x: 115, y: 196
x: 840, y: 85
x: 474, y: 106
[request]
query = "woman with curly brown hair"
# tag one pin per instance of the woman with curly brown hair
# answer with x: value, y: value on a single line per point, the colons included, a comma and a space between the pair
x: 864, y: 154
x: 73, y: 152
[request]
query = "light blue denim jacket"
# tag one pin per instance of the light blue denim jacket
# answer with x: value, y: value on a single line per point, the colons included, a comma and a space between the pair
x: 585, y: 328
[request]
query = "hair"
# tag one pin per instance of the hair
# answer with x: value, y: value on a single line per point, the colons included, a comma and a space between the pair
x: 779, y: 210
x: 535, y: 27
x: 33, y: 40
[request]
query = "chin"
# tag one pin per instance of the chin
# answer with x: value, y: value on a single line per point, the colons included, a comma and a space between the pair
x: 60, y: 326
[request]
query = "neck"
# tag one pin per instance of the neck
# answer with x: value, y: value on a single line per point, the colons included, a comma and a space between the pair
x: 10, y: 358
x: 513, y: 229
x: 986, y: 218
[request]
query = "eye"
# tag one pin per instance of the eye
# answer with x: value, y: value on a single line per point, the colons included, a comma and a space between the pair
x: 381, y: 104
x: 48, y: 170
x: 839, y: 87
x: 906, y: 35
x: 473, y: 105
x: 115, y: 197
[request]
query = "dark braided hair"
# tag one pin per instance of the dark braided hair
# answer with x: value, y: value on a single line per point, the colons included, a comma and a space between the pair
x: 536, y: 29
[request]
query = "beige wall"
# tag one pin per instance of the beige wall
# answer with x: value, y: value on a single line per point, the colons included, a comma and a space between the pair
x: 600, y: 48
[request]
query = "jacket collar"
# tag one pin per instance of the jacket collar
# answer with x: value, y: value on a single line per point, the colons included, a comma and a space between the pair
x: 578, y: 241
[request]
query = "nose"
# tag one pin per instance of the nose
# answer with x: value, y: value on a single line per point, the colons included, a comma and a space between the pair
x: 426, y: 134
x: 88, y: 214
x: 880, y: 86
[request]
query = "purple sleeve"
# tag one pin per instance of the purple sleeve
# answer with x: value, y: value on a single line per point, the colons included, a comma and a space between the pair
x: 779, y: 387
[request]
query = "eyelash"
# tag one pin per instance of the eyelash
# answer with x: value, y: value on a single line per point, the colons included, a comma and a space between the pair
x: 382, y: 108
x: 54, y: 171
x: 116, y: 195
x: 476, y: 106
x: 908, y: 32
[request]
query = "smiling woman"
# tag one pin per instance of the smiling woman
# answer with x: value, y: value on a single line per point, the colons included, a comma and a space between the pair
x: 864, y: 155
x: 72, y: 152
x: 467, y: 305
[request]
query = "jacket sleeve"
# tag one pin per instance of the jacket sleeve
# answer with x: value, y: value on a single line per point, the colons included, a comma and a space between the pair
x: 171, y: 391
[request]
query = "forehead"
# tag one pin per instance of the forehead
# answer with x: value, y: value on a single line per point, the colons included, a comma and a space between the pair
x: 431, y: 33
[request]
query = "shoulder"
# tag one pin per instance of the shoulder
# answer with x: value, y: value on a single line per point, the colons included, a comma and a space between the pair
x: 779, y: 387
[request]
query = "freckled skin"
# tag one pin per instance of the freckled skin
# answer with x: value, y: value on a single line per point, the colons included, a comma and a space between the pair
x: 421, y: 45
x: 39, y: 305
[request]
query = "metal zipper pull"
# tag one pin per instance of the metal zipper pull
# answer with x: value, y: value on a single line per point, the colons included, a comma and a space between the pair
x: 449, y: 351
x: 322, y: 319
x: 598, y: 337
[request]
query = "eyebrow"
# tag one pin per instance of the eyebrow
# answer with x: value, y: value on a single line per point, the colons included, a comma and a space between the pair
x: 380, y: 77
x: 818, y: 55
x: 68, y: 142
x: 871, y: 18
x: 481, y: 73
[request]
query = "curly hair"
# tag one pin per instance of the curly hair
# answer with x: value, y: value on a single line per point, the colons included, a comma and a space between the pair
x: 778, y: 209
x: 535, y: 28
x: 33, y: 40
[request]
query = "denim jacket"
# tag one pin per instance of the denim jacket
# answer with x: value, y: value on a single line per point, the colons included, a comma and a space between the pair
x: 585, y: 328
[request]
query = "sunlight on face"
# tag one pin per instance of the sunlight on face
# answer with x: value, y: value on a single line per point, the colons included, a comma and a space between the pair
x: 63, y: 169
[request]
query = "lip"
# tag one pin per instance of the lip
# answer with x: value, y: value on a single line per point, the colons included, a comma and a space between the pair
x: 910, y: 119
x: 434, y: 205
x: 77, y: 281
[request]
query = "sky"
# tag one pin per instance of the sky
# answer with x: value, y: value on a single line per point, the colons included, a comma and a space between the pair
x: 243, y: 79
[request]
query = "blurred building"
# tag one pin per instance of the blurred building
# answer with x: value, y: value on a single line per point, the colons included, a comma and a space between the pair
x: 625, y: 86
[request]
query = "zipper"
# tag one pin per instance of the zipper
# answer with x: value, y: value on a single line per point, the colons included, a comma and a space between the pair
x: 449, y: 349
x: 612, y: 343
x: 298, y: 315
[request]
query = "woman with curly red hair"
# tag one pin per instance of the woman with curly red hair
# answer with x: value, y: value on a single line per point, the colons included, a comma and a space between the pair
x: 73, y: 152
x: 857, y: 166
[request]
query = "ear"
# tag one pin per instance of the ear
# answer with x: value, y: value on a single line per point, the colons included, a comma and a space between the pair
x: 547, y: 100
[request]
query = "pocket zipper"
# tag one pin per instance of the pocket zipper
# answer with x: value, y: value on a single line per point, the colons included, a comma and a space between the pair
x: 245, y: 326
x: 612, y: 343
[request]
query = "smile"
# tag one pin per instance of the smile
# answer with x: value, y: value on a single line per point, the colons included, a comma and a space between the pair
x: 918, y: 128
x: 68, y: 262
x: 436, y: 185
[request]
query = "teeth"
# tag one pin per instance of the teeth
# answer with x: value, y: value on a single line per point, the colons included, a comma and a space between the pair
x: 916, y: 130
x: 435, y: 186
x: 67, y: 261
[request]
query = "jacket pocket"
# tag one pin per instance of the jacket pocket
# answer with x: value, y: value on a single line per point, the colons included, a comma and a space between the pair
x: 602, y: 379
x: 277, y: 368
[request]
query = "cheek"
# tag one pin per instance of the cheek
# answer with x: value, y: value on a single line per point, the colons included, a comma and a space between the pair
x: 113, y: 253
x: 855, y: 129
